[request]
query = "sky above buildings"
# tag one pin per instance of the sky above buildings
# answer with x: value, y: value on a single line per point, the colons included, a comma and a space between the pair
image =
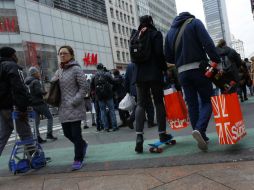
x: 240, y: 18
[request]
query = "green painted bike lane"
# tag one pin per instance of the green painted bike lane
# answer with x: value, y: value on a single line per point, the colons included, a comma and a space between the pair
x: 124, y: 151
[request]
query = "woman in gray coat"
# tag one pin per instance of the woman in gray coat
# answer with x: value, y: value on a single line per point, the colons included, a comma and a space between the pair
x: 73, y: 88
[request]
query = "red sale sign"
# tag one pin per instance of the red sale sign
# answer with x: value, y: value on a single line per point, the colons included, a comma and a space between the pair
x: 228, y: 118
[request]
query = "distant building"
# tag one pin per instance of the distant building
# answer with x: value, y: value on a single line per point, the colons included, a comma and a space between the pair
x: 37, y: 28
x: 122, y: 19
x: 252, y: 7
x: 238, y: 46
x: 217, y: 20
x: 162, y: 11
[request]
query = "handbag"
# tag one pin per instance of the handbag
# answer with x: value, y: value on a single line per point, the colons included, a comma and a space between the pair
x: 228, y: 118
x: 176, y: 110
x: 54, y: 94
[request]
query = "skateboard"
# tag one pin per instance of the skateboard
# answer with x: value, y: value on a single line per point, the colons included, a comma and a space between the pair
x: 155, y: 147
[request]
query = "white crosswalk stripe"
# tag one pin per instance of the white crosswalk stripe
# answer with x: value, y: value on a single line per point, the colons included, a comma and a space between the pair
x: 43, y: 130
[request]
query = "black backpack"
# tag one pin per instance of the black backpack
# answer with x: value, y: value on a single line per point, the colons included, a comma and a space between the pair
x: 140, y: 47
x: 103, y: 89
x: 229, y: 67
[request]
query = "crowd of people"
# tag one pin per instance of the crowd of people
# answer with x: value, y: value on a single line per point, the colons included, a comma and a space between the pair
x: 187, y: 46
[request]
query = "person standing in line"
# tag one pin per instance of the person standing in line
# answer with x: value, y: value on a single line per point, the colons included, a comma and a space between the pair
x: 119, y: 93
x: 148, y: 77
x: 39, y: 106
x: 73, y: 88
x: 102, y: 84
x: 189, y: 56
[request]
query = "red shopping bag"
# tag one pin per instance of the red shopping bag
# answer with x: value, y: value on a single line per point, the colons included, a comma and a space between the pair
x: 176, y: 110
x: 228, y: 118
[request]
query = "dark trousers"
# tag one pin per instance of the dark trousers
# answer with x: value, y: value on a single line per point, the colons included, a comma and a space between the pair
x: 242, y: 91
x: 6, y: 128
x: 149, y: 109
x: 72, y: 131
x: 98, y: 115
x: 198, y: 91
x: 143, y: 90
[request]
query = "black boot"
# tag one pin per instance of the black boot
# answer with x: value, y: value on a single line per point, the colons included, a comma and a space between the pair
x: 139, y: 143
x: 51, y: 137
x: 165, y: 137
x: 40, y: 140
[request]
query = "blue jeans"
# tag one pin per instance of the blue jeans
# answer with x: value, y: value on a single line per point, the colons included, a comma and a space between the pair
x: 198, y: 91
x: 43, y: 110
x: 110, y: 105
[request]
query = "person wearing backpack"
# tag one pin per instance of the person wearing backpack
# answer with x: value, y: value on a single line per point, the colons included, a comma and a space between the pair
x: 231, y: 60
x: 187, y: 45
x: 13, y: 92
x: 39, y: 106
x: 146, y: 50
x: 102, y: 83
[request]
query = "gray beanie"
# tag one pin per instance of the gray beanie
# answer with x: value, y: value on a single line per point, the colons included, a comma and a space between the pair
x: 33, y: 70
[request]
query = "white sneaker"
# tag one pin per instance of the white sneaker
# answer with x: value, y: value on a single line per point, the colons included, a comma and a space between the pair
x: 201, y: 142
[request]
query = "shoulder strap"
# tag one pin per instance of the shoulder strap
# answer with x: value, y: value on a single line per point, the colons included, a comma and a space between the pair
x: 180, y: 33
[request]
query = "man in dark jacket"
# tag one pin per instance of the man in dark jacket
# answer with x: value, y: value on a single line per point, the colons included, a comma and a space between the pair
x: 13, y: 92
x: 190, y: 54
x: 40, y: 107
x: 102, y: 84
x: 229, y: 56
x: 148, y: 77
x: 119, y: 93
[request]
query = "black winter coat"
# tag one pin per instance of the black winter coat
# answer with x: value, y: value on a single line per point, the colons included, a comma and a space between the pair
x: 153, y: 69
x: 36, y: 90
x: 12, y: 88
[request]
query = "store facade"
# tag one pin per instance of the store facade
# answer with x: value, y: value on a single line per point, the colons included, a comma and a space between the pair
x: 37, y: 31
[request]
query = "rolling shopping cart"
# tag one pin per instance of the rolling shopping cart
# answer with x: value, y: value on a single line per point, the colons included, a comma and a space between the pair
x: 26, y: 154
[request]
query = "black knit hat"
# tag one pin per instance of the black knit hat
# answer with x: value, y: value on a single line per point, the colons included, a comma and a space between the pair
x: 7, y: 52
x: 100, y: 66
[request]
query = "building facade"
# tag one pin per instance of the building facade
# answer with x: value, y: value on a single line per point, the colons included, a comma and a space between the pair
x: 162, y: 11
x: 252, y: 7
x: 238, y: 46
x: 37, y: 30
x: 122, y: 19
x: 217, y: 20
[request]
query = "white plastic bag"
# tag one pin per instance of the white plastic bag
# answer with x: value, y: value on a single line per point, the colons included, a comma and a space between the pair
x: 127, y: 103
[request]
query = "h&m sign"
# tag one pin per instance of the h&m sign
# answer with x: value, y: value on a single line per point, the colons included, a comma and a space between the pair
x: 90, y: 59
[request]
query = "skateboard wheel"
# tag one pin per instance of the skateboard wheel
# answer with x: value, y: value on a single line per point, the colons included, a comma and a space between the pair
x: 151, y: 150
x: 173, y: 142
x: 159, y: 150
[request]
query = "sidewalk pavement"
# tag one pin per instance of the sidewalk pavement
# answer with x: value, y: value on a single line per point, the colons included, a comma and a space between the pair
x: 223, y: 176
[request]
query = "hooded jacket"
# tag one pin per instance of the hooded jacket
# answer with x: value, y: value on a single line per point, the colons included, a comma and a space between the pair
x: 151, y: 70
x: 195, y: 42
x: 13, y: 91
x: 36, y: 91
